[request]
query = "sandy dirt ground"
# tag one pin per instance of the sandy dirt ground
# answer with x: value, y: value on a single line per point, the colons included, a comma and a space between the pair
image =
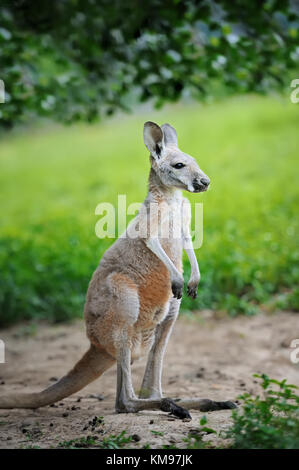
x: 208, y: 356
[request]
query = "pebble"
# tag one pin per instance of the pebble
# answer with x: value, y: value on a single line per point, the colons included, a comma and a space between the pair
x: 97, y: 396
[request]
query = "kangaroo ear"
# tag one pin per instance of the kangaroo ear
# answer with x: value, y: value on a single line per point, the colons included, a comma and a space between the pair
x: 153, y: 139
x: 170, y: 135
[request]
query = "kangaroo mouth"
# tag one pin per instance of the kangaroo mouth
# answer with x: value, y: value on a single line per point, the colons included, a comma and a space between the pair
x: 200, y: 188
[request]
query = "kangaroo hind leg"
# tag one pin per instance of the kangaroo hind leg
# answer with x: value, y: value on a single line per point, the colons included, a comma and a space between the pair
x: 151, y: 385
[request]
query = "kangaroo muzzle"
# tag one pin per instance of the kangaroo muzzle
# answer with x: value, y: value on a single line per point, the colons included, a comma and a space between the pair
x: 200, y: 184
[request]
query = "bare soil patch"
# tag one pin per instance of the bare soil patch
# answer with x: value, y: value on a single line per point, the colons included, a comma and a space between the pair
x: 208, y: 356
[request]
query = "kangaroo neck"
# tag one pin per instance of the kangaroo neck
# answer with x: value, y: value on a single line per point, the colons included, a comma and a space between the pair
x: 158, y: 192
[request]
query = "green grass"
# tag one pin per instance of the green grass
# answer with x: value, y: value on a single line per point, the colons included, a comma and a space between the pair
x: 53, y: 178
x: 268, y: 421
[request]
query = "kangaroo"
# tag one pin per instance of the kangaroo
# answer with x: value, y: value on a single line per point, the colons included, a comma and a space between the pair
x: 134, y: 296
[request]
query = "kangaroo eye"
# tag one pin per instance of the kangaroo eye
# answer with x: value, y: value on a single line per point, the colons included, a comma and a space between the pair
x: 178, y: 165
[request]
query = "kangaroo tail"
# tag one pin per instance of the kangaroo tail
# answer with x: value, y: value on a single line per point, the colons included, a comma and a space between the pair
x: 93, y: 364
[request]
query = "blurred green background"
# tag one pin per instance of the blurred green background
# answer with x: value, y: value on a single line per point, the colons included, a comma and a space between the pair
x: 52, y: 179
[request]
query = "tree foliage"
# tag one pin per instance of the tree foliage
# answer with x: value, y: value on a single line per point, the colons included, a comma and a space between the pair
x: 78, y: 59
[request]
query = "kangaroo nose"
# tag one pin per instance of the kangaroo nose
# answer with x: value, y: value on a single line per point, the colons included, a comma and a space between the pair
x: 196, y: 185
x: 205, y: 181
x: 201, y: 184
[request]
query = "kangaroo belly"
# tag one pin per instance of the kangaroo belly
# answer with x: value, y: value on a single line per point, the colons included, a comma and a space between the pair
x: 154, y: 294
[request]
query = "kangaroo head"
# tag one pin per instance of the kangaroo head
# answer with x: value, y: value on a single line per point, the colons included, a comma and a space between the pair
x: 174, y: 167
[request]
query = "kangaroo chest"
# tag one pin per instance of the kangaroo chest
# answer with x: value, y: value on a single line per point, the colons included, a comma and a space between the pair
x: 170, y: 233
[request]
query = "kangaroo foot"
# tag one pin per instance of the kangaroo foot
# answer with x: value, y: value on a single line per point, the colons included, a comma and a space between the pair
x: 164, y: 404
x: 204, y: 404
x: 170, y: 406
x: 177, y: 407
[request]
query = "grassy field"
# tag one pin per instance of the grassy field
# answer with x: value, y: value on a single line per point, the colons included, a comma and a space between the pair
x: 53, y: 178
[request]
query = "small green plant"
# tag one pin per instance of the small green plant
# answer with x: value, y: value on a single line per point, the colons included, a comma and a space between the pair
x: 146, y: 446
x: 206, y: 429
x: 32, y: 434
x: 194, y: 441
x: 157, y: 433
x: 115, y: 441
x: 269, y: 421
x: 79, y: 443
x: 194, y: 438
x: 169, y: 446
x: 111, y: 442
